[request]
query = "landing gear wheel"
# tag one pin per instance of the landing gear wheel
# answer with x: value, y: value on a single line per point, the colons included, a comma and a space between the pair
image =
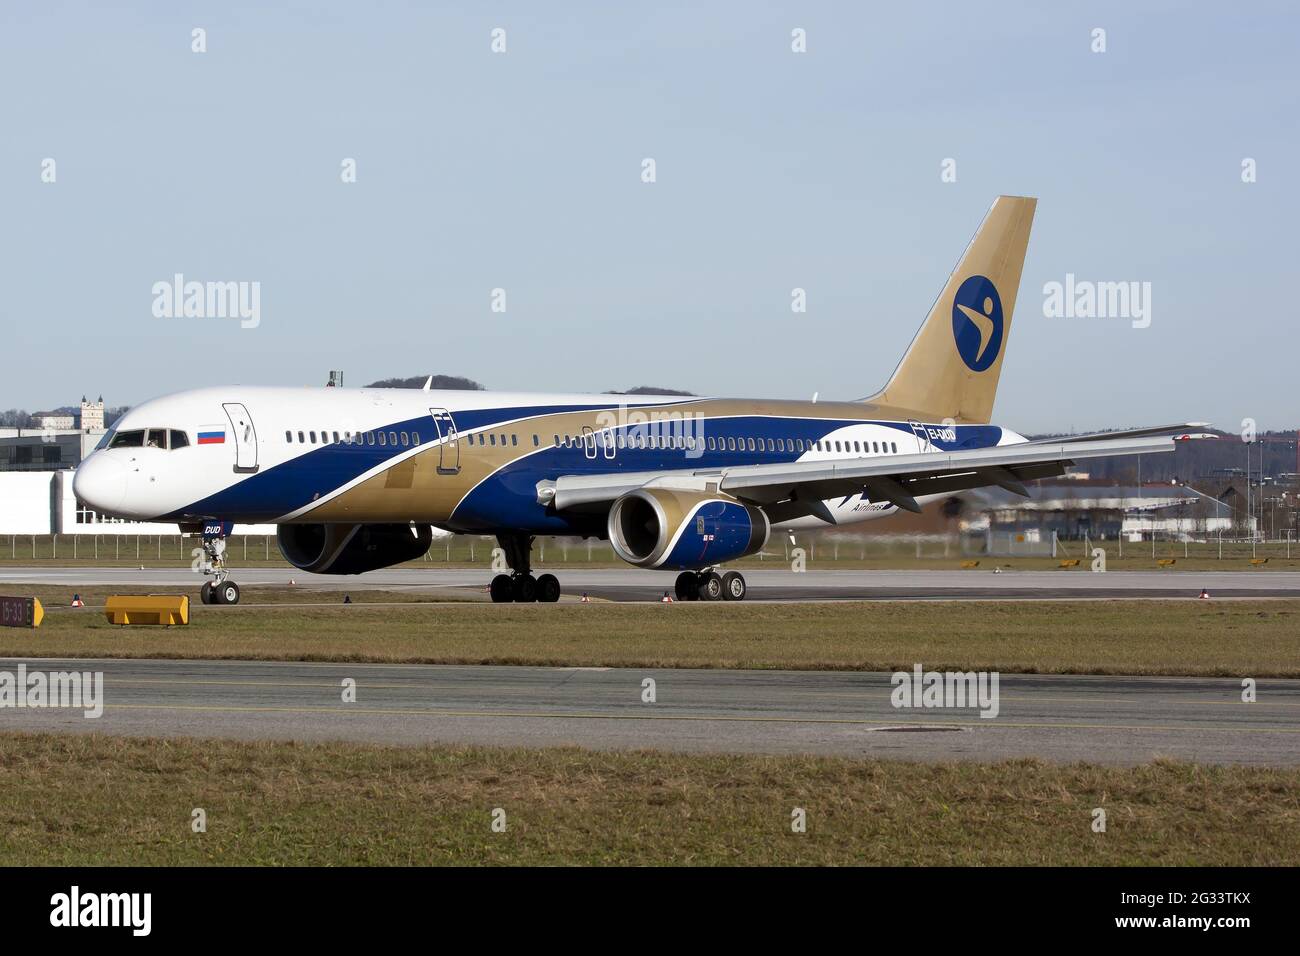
x: 548, y: 589
x: 205, y: 593
x: 226, y: 592
x: 502, y: 589
x: 733, y: 586
x: 710, y: 588
x: 688, y: 586
x: 524, y: 588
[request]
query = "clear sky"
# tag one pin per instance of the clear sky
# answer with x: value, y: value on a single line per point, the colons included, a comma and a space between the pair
x: 523, y: 171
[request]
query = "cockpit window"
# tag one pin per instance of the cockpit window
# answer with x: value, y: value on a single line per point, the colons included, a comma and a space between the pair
x: 131, y: 439
x: 106, y: 440
x: 163, y: 438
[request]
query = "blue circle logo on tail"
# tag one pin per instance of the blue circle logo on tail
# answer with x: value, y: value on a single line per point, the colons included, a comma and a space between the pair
x: 977, y: 322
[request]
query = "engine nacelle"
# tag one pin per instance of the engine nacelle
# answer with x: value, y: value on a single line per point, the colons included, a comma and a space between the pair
x: 351, y: 548
x: 684, y: 530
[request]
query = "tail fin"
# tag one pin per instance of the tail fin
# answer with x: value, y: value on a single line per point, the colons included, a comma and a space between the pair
x: 951, y: 368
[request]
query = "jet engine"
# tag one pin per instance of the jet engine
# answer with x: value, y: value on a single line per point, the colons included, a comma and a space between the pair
x: 684, y: 530
x: 351, y: 548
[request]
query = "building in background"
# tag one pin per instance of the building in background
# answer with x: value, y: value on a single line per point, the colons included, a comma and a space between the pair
x: 58, y: 440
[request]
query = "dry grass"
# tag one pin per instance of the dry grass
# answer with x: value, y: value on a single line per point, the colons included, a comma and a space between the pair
x: 92, y: 800
x: 1191, y: 638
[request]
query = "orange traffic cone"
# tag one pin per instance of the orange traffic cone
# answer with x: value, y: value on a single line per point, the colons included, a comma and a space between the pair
x: 77, y: 601
x: 1205, y: 595
x: 668, y: 598
x: 585, y: 599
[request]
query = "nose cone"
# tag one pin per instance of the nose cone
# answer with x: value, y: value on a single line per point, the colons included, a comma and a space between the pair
x: 100, y: 482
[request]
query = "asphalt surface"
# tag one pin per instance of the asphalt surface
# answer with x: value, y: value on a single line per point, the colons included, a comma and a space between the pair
x: 633, y: 584
x: 1112, y: 720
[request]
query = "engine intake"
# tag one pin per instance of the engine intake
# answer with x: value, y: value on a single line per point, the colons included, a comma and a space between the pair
x: 684, y: 530
x: 351, y: 548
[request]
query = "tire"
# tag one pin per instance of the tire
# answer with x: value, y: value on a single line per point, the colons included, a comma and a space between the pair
x: 205, y: 592
x: 733, y: 586
x: 548, y: 589
x: 524, y: 589
x: 688, y: 586
x: 502, y: 589
x: 226, y: 593
x: 710, y: 587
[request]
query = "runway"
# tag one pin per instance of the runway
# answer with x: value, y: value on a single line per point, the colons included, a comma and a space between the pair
x: 1111, y: 720
x: 778, y: 584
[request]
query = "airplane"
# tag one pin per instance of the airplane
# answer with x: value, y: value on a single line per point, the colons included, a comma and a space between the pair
x: 357, y: 479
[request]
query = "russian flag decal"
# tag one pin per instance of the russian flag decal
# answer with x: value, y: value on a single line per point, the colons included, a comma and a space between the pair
x: 212, y: 436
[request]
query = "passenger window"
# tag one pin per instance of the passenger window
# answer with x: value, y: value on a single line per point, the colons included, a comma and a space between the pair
x: 494, y: 440
x: 537, y: 442
x: 405, y: 439
x: 301, y: 438
x: 288, y: 437
x: 382, y: 439
x: 771, y: 446
x: 894, y: 446
x: 179, y: 438
x: 392, y: 438
x: 336, y: 438
x: 312, y: 436
x: 751, y: 444
x: 514, y: 440
x: 415, y: 438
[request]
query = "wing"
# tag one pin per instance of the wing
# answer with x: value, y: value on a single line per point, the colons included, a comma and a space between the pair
x: 1188, y: 430
x: 788, y: 490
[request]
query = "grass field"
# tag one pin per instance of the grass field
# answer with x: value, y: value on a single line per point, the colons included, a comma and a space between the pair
x: 1189, y: 637
x: 92, y: 800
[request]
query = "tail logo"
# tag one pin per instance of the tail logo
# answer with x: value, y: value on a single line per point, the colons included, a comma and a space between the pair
x: 977, y: 322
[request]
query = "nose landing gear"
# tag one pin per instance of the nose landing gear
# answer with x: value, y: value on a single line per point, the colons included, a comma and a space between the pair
x: 520, y: 586
x: 212, y: 561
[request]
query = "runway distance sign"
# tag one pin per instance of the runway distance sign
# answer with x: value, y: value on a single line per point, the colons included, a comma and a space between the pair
x: 21, y: 612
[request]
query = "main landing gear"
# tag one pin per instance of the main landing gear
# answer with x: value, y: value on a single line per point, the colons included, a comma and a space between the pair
x: 220, y: 590
x: 709, y: 585
x: 520, y: 586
